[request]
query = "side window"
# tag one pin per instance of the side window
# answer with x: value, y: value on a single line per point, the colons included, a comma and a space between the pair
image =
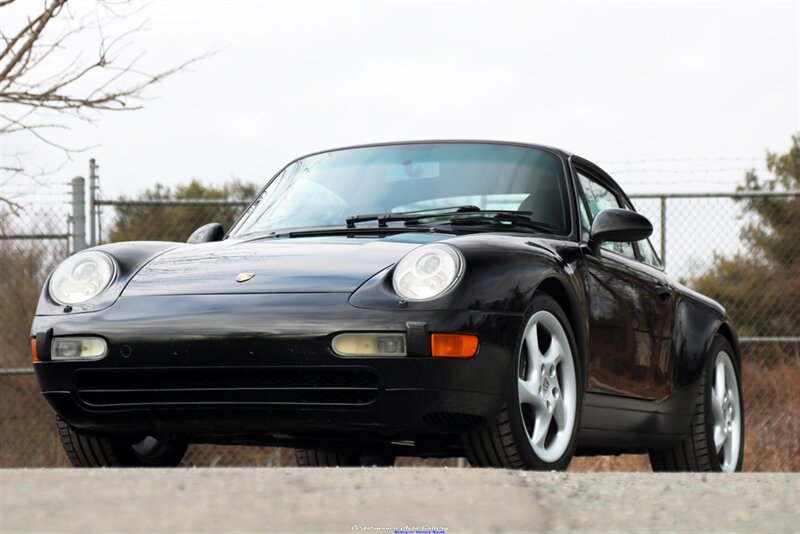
x: 586, y: 221
x: 600, y: 198
x: 648, y: 253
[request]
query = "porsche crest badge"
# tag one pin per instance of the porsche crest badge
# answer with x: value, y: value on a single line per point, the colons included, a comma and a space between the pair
x: 244, y: 277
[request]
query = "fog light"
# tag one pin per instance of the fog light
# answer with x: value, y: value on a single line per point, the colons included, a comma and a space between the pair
x: 78, y: 348
x: 378, y: 344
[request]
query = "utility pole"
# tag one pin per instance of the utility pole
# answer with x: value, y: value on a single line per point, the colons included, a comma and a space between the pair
x: 78, y: 214
x: 663, y: 231
x: 92, y: 202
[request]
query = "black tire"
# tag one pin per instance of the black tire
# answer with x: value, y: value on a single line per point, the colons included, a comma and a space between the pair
x: 320, y: 458
x: 504, y: 443
x: 697, y: 452
x: 106, y: 451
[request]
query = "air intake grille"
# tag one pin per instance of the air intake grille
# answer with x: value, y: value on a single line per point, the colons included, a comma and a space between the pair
x: 226, y: 386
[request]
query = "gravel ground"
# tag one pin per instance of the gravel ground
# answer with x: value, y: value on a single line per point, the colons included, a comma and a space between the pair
x: 380, y: 500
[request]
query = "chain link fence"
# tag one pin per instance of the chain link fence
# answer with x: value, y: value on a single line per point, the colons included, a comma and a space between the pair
x: 716, y: 243
x: 31, y: 244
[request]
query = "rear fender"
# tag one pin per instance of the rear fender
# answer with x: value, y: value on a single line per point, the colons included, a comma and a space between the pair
x: 696, y: 325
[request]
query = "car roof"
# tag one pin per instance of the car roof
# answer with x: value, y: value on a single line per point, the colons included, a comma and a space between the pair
x: 557, y: 151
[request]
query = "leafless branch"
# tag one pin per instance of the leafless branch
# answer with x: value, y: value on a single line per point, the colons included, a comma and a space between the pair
x: 46, y: 81
x: 13, y: 206
x: 35, y: 130
x: 37, y: 177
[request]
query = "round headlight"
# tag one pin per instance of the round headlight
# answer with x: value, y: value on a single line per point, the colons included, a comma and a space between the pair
x: 427, y: 272
x: 82, y: 277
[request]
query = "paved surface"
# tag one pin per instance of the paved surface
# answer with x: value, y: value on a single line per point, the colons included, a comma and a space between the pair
x: 380, y: 500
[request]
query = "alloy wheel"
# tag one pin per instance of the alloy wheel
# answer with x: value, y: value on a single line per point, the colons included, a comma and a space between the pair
x: 726, y: 411
x: 547, y: 386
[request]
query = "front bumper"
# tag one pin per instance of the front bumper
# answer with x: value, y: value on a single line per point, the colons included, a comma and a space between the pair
x: 259, y: 367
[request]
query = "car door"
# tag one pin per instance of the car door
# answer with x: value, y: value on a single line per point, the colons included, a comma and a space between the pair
x: 630, y: 313
x: 659, y: 297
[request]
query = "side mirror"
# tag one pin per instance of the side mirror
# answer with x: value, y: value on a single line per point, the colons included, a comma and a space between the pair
x: 615, y: 225
x: 206, y: 234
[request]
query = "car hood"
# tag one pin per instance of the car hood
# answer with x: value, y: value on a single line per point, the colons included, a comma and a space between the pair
x: 291, y: 265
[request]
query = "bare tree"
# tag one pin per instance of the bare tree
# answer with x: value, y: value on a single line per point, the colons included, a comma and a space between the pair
x: 47, y: 81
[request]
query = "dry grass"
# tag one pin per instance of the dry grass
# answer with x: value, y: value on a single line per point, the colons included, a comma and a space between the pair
x: 28, y: 435
x: 772, y: 412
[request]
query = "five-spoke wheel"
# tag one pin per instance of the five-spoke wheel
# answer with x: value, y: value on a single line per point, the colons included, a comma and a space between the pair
x: 715, y: 438
x: 726, y: 411
x: 537, y: 426
x: 547, y: 386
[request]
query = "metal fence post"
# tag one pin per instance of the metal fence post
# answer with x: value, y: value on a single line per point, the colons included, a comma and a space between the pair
x: 664, y: 231
x: 78, y: 214
x: 92, y: 205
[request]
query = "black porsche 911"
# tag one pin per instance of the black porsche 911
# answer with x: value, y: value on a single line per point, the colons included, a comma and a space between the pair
x: 498, y: 301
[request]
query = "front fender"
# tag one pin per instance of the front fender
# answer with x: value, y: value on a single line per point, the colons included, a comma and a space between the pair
x: 500, y: 276
x: 131, y: 256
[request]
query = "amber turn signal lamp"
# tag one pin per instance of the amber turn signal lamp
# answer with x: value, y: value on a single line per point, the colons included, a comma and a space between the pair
x: 454, y: 345
x: 33, y: 350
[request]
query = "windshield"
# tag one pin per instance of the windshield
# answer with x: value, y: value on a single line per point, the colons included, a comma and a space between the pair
x: 326, y: 189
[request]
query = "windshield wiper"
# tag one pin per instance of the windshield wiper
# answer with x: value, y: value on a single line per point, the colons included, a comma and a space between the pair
x: 384, y: 218
x: 502, y: 219
x: 322, y: 231
x: 458, y: 216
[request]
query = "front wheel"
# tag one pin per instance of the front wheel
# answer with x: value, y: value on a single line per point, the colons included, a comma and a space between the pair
x: 537, y: 427
x: 115, y: 451
x: 715, y: 441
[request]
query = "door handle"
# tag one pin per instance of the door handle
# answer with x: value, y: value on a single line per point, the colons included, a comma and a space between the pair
x: 663, y: 291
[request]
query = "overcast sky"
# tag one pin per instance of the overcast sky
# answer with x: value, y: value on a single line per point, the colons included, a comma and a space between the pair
x: 712, y: 85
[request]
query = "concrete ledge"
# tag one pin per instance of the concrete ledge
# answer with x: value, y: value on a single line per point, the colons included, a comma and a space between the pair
x: 382, y: 500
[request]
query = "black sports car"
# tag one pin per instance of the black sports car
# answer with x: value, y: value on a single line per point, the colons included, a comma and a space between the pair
x: 495, y: 300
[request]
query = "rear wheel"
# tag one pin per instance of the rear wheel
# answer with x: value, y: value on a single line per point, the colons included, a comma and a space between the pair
x: 716, y: 437
x: 113, y: 451
x: 537, y: 427
x: 321, y: 458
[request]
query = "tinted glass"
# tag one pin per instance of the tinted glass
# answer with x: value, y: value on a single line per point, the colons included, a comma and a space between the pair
x: 648, y: 253
x: 586, y: 220
x: 600, y: 198
x: 325, y: 189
